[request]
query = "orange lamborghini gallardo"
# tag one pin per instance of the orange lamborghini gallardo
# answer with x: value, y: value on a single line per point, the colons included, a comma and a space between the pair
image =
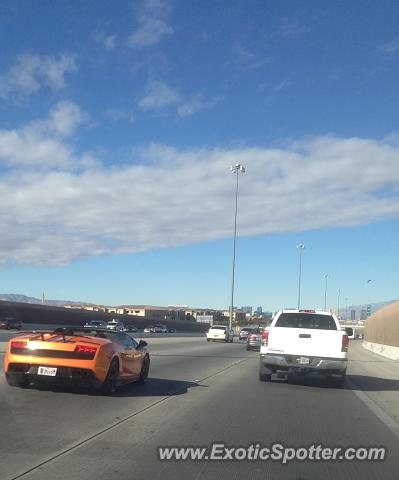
x: 96, y: 358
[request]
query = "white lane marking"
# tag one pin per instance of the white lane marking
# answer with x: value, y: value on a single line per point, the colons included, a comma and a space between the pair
x: 378, y: 411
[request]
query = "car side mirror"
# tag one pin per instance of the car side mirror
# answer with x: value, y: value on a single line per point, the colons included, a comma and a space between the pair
x: 142, y: 344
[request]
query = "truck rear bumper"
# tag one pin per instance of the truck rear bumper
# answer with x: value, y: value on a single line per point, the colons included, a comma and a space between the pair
x: 270, y: 363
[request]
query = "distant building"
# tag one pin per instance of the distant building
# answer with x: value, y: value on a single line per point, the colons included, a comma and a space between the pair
x: 237, y: 316
x: 353, y: 314
x: 258, y: 311
x: 146, y: 311
x: 205, y: 319
x: 363, y: 314
x: 246, y: 310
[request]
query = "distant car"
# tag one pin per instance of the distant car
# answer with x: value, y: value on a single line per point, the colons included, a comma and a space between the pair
x: 220, y: 332
x: 99, y: 359
x: 172, y: 330
x: 131, y: 329
x: 148, y: 330
x: 350, y: 332
x: 254, y: 339
x: 115, y: 326
x: 10, y: 323
x: 244, y: 332
x: 95, y: 324
x: 159, y: 329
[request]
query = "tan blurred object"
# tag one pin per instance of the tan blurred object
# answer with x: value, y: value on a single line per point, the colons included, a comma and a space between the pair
x: 383, y: 326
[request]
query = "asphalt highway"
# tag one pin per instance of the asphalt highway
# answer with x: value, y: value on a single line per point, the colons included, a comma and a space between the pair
x: 199, y: 393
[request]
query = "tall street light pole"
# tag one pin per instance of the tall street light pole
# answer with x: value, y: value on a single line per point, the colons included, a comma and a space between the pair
x: 338, y: 295
x: 300, y: 247
x: 326, y: 276
x: 234, y: 169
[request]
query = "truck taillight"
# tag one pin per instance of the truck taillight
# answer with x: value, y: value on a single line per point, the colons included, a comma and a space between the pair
x: 345, y: 343
x: 265, y: 337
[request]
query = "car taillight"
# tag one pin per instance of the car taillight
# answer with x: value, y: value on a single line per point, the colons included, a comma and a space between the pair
x: 86, y: 349
x: 18, y: 344
x: 265, y: 337
x: 253, y: 337
x: 345, y: 343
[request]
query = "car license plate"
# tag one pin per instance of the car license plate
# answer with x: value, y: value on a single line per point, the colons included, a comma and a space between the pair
x: 303, y: 360
x: 49, y: 371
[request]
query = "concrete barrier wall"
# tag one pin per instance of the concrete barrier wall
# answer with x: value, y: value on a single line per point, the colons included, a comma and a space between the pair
x: 385, y: 350
x: 29, y: 313
x: 383, y: 326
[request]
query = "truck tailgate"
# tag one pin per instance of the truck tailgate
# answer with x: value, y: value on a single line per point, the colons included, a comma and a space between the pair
x: 309, y: 342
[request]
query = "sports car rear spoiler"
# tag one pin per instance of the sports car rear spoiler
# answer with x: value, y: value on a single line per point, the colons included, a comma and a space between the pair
x: 69, y: 332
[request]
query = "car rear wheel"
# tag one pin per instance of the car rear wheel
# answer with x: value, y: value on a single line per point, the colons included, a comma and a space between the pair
x: 248, y: 348
x: 20, y: 381
x: 265, y: 377
x: 110, y: 383
x: 145, y: 368
x: 208, y: 339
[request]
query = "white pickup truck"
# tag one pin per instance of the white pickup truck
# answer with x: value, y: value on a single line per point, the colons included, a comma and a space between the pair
x: 304, y: 341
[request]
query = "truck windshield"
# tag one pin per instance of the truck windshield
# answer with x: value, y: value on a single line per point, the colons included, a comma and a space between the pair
x: 306, y: 320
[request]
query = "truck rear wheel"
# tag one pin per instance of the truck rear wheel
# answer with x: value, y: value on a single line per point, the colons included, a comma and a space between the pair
x: 265, y: 377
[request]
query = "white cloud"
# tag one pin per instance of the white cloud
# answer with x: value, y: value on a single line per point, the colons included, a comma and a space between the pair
x: 249, y: 59
x: 196, y: 104
x: 292, y: 27
x: 390, y: 47
x: 166, y: 197
x: 119, y: 115
x: 106, y: 41
x: 152, y: 24
x: 32, y: 73
x: 64, y: 118
x: 283, y: 85
x: 158, y: 95
x: 40, y: 143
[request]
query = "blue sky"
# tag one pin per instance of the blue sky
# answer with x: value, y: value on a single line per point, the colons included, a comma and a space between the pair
x: 118, y: 125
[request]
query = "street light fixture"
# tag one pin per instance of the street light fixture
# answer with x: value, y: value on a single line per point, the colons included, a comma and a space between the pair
x: 234, y: 169
x: 300, y: 247
x: 326, y: 276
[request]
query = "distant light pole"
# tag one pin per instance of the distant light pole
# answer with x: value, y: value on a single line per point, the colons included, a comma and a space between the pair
x: 234, y: 169
x: 300, y: 247
x: 326, y: 276
x: 338, y: 295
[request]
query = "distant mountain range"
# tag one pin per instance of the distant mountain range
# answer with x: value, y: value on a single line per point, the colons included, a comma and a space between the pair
x: 10, y: 297
x: 344, y: 312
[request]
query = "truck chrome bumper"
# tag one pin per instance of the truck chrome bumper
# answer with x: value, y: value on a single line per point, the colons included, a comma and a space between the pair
x: 293, y: 362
